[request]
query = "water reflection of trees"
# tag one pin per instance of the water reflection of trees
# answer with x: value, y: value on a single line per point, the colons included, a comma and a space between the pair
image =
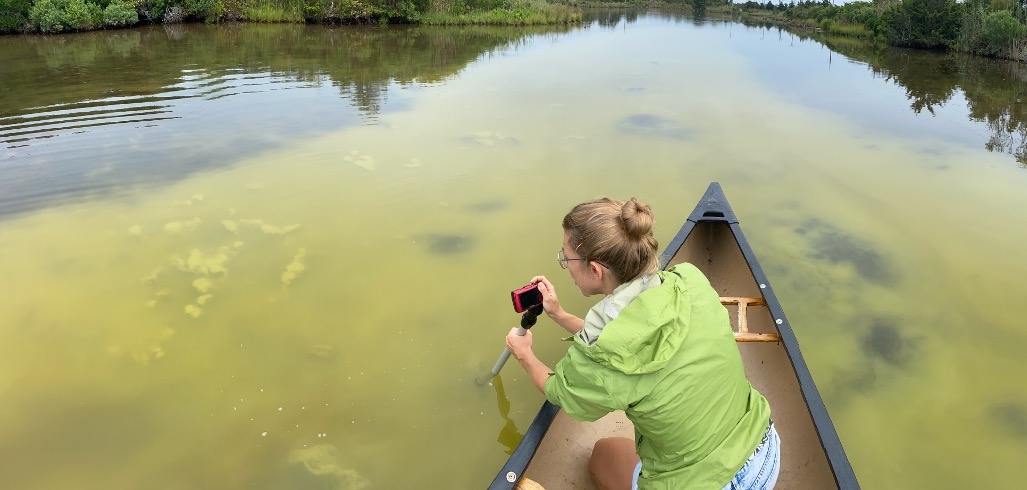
x: 361, y: 61
x: 609, y: 18
x: 999, y: 103
x: 120, y: 81
x: 995, y: 90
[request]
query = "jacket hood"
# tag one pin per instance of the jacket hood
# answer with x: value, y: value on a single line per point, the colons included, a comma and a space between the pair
x: 650, y: 329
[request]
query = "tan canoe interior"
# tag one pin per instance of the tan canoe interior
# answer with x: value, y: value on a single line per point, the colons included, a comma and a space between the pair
x: 562, y: 459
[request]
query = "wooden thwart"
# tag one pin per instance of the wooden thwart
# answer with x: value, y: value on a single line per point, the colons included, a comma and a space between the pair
x: 528, y: 484
x: 742, y: 333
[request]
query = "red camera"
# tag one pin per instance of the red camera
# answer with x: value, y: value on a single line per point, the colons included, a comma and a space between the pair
x: 526, y: 297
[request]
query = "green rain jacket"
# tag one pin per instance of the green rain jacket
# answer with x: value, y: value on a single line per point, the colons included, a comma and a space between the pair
x: 669, y: 361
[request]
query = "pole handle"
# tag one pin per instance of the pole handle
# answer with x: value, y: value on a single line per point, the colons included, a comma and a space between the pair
x: 527, y: 321
x: 505, y: 355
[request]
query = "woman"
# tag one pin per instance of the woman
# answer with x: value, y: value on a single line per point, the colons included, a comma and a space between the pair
x: 659, y: 347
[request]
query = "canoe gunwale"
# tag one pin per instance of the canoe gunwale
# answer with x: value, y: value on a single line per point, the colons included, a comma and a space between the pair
x: 525, y: 450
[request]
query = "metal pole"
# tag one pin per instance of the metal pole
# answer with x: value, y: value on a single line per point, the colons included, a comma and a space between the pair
x: 527, y: 321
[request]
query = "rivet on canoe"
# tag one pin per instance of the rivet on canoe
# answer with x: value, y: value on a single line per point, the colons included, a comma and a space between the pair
x: 779, y: 321
x: 763, y: 286
x: 511, y: 477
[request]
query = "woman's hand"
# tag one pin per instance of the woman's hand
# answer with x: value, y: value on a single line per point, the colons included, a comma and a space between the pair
x: 550, y: 303
x: 519, y: 345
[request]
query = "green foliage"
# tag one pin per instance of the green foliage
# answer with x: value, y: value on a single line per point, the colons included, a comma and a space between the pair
x: 335, y: 10
x: 152, y: 11
x: 930, y: 24
x: 519, y: 12
x: 14, y: 15
x: 846, y: 29
x: 983, y: 27
x: 487, y: 4
x: 996, y: 5
x: 989, y: 33
x: 120, y: 14
x: 862, y: 13
x: 396, y: 9
x: 272, y: 11
x: 1000, y: 30
x: 699, y: 7
x: 51, y: 16
x: 205, y: 10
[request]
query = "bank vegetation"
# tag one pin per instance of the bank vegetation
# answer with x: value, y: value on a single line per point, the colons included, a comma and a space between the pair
x: 58, y: 16
x: 994, y: 28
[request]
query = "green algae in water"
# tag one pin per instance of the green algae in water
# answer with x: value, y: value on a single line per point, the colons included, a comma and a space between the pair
x: 181, y: 227
x: 362, y: 161
x: 203, y: 284
x: 200, y: 263
x: 322, y: 460
x: 267, y: 228
x: 295, y: 267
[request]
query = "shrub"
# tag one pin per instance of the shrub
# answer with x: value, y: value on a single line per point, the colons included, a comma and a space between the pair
x: 205, y: 10
x: 52, y: 16
x: 487, y: 4
x: 991, y: 33
x: 82, y: 16
x: 119, y: 14
x: 999, y: 30
x: 14, y: 15
x: 927, y: 24
x: 864, y: 13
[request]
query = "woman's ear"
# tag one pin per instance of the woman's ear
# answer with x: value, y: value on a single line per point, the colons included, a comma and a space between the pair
x: 597, y: 270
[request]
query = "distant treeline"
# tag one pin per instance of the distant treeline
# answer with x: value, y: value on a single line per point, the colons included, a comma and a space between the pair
x: 993, y: 28
x: 56, y: 16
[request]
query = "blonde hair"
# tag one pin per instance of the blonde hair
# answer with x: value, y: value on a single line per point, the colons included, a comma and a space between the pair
x: 617, y: 234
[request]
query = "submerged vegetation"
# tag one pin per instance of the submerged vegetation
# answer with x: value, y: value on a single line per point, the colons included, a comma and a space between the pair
x: 995, y: 28
x: 56, y: 16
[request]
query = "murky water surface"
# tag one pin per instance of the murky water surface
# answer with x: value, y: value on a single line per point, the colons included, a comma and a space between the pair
x: 279, y: 256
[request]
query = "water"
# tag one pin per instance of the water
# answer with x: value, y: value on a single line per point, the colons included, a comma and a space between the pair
x: 280, y: 256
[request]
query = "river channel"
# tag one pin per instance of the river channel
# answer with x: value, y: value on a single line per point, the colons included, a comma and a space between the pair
x: 278, y: 256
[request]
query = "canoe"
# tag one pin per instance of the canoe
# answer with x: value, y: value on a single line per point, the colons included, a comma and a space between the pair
x: 554, y: 452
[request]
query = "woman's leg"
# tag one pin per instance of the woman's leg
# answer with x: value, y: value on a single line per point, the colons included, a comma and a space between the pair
x: 612, y: 465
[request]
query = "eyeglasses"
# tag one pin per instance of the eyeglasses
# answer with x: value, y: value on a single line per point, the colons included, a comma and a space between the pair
x: 563, y: 260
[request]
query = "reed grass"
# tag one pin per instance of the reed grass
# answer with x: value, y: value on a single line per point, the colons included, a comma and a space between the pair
x: 270, y: 11
x: 847, y: 29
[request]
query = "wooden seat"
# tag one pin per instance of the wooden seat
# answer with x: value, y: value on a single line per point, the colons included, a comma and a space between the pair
x: 528, y: 484
x: 742, y: 333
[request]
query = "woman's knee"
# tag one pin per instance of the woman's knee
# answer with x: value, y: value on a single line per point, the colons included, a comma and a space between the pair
x: 612, y: 465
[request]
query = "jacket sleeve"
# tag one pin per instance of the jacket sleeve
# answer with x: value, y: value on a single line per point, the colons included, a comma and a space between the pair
x: 578, y: 387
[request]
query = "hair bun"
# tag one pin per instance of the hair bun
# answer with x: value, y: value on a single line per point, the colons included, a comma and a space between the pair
x: 637, y: 218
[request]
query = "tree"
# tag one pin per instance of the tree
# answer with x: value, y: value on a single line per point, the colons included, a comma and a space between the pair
x: 930, y: 24
x: 699, y: 7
